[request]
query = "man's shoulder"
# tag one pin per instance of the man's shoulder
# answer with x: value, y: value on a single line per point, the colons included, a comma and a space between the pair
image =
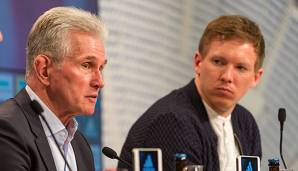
x: 9, y: 109
x: 243, y: 117
x: 174, y: 108
x: 12, y: 106
x: 13, y: 117
x: 173, y: 102
x: 242, y: 112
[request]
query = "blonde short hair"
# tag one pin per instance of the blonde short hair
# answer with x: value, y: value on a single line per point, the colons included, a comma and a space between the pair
x: 234, y: 27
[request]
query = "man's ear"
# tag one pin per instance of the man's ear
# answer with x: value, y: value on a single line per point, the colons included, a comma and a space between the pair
x: 257, y: 77
x: 41, y: 66
x: 197, y: 62
x: 1, y: 37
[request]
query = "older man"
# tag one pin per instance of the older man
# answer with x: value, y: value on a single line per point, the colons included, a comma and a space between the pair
x: 65, y: 59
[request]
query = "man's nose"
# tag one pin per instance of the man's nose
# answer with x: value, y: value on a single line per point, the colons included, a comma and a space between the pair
x: 227, y: 74
x: 97, y: 80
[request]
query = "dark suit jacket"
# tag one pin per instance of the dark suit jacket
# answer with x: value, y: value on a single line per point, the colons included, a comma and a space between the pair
x: 179, y: 123
x: 23, y: 143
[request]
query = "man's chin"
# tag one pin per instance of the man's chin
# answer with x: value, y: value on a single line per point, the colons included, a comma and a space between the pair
x: 224, y: 106
x: 88, y: 111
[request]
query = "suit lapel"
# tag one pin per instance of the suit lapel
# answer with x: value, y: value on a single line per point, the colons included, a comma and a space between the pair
x: 41, y: 141
x: 45, y: 152
x: 83, y: 153
x: 79, y: 161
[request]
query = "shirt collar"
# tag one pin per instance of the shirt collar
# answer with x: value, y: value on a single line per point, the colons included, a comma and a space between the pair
x: 61, y: 133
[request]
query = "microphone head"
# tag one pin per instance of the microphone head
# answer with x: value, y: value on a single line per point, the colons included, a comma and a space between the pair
x: 282, y: 115
x: 36, y: 107
x: 110, y: 153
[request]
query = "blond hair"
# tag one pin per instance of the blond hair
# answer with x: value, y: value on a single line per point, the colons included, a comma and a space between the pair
x: 234, y: 27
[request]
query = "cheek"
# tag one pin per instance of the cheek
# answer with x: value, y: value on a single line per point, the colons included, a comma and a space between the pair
x: 75, y: 88
x: 209, y: 74
x: 245, y: 84
x: 75, y: 80
x: 71, y: 85
x: 79, y: 86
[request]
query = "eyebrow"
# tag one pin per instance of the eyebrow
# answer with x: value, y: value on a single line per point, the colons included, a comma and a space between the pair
x: 91, y: 57
x: 94, y: 58
x: 218, y: 56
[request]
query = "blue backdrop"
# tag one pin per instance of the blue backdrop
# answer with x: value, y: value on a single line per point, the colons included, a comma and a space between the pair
x: 16, y: 19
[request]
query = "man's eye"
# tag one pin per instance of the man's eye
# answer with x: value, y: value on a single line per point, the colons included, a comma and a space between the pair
x: 101, y: 68
x: 217, y: 62
x: 86, y: 65
x: 241, y: 68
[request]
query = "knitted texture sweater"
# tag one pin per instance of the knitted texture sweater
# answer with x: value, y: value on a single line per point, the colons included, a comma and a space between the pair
x: 178, y: 123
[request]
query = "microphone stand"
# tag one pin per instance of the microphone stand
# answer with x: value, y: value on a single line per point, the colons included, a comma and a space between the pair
x: 282, y: 118
x: 280, y: 149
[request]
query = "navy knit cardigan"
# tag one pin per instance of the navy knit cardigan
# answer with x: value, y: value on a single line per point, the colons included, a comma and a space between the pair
x: 179, y: 123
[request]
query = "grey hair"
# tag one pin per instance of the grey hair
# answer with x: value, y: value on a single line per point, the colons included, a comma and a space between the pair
x: 49, y: 34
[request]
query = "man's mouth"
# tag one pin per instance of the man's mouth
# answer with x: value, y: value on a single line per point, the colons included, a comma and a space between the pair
x: 92, y: 98
x: 225, y: 91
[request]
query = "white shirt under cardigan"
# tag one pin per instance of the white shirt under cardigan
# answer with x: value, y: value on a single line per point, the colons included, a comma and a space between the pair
x: 62, y: 134
x: 226, y: 148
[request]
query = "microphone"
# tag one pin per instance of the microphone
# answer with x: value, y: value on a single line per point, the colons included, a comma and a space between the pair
x: 282, y: 119
x: 38, y: 109
x: 110, y: 153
